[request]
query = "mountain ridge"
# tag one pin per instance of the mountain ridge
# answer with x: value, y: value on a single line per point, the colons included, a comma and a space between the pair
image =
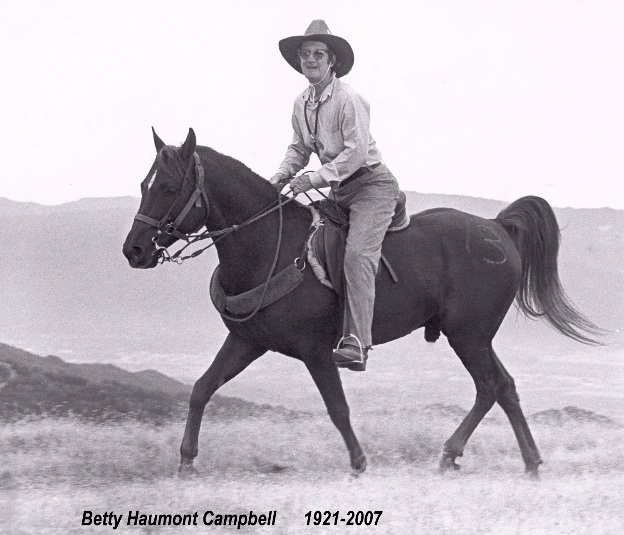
x: 12, y: 207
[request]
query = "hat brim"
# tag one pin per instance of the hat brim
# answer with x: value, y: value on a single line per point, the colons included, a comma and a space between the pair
x: 344, y: 53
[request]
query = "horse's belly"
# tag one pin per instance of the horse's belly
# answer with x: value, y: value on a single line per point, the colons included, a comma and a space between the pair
x: 405, y: 305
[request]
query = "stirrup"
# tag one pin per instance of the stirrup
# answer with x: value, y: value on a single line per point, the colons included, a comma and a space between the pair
x: 354, y: 365
x: 356, y: 339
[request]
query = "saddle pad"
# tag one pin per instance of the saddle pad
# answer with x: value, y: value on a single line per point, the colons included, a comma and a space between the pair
x: 326, y: 248
x: 280, y: 284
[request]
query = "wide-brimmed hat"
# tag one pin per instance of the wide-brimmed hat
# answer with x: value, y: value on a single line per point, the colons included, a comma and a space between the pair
x: 318, y: 31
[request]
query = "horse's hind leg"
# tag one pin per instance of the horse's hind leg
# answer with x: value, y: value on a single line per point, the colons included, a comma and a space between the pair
x: 477, y: 358
x: 233, y: 357
x: 493, y: 384
x: 327, y: 379
x: 508, y: 399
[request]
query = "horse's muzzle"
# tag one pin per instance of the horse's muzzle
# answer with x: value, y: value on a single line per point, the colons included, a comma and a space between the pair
x: 140, y: 258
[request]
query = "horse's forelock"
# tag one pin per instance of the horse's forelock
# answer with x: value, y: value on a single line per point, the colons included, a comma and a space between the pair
x: 169, y: 158
x: 168, y: 152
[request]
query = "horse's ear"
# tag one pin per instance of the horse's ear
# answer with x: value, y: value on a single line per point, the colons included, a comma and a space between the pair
x: 188, y: 147
x: 159, y: 143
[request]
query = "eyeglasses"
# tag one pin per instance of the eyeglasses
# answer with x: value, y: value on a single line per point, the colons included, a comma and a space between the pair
x: 318, y: 55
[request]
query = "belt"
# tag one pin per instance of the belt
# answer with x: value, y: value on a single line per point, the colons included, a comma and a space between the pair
x: 360, y: 172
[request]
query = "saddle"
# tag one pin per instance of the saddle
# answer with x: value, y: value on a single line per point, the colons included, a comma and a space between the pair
x: 326, y: 243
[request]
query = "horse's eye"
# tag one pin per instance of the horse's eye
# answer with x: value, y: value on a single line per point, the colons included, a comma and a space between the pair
x: 171, y: 189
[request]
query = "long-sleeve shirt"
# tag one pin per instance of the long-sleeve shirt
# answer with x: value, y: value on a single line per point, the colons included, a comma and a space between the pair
x: 343, y: 140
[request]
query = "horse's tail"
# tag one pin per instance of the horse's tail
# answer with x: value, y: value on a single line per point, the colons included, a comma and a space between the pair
x: 531, y: 224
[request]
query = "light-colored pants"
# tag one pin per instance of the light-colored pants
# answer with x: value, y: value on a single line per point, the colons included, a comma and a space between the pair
x: 371, y: 200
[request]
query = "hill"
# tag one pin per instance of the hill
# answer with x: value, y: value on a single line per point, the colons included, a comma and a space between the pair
x: 31, y: 385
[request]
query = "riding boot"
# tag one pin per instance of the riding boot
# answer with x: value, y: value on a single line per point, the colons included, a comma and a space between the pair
x: 351, y: 357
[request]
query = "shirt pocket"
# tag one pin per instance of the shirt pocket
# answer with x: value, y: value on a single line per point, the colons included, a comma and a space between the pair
x: 331, y: 116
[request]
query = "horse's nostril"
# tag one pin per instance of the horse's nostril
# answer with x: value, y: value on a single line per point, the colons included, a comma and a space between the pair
x: 131, y: 252
x: 135, y: 254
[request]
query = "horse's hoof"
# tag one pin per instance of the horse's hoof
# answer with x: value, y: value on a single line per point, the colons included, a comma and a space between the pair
x: 531, y: 468
x: 447, y: 463
x: 187, y: 471
x: 359, y: 464
x: 532, y: 473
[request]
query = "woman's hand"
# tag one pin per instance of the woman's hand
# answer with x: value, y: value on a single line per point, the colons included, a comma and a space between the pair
x: 278, y: 181
x: 300, y: 184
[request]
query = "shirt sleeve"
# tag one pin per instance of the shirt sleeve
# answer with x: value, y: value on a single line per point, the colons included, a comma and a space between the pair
x: 297, y: 154
x: 354, y: 125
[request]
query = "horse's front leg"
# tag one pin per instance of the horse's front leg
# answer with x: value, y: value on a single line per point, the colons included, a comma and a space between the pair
x: 327, y: 379
x: 233, y: 357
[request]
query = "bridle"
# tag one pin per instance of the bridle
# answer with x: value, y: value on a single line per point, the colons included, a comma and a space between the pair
x: 171, y: 227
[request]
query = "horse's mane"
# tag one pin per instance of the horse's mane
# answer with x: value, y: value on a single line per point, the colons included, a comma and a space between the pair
x: 244, y: 173
x: 171, y: 152
x: 231, y: 164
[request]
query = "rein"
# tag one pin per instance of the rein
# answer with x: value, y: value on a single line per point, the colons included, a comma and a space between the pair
x: 218, y: 234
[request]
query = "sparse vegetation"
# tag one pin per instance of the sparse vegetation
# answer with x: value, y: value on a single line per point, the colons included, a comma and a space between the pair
x: 56, y: 468
x: 75, y: 440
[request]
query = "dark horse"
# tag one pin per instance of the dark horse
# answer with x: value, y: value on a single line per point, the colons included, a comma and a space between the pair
x: 458, y: 274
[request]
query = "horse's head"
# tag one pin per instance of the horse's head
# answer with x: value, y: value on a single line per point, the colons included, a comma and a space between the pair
x: 173, y: 203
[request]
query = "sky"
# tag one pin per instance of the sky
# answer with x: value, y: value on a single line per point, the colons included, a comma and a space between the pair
x: 486, y: 98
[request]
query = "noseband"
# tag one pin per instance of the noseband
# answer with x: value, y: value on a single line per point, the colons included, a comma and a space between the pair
x: 171, y: 227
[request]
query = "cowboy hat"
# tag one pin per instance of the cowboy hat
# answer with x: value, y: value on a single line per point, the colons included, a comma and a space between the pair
x: 318, y: 31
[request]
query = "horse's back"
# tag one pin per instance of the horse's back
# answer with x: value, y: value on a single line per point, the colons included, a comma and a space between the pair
x: 449, y: 264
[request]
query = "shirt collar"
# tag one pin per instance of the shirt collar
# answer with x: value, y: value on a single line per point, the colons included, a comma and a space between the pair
x: 327, y: 92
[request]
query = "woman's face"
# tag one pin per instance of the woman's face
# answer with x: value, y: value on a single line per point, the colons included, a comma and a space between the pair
x: 316, y: 59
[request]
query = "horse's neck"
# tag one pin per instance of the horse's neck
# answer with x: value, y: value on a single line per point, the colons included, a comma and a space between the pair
x: 244, y: 255
x: 247, y: 254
